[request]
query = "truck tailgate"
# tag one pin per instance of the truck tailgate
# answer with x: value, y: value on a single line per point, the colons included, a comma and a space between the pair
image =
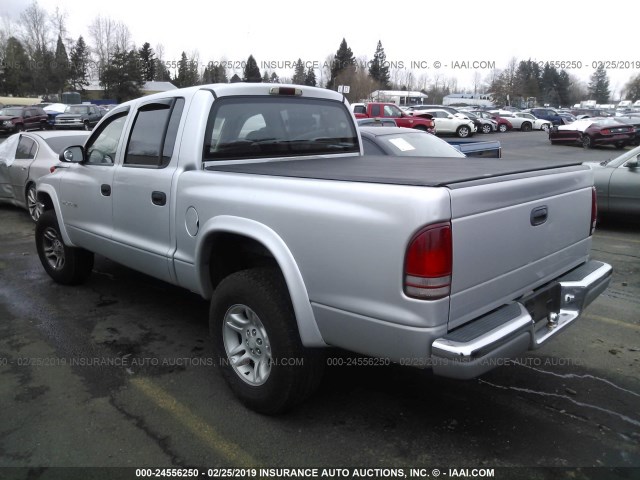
x: 512, y: 236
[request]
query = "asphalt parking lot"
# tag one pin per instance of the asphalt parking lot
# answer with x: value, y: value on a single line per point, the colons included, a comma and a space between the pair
x: 118, y: 372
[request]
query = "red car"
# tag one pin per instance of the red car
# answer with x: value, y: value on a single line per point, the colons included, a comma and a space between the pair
x: 17, y: 119
x: 590, y: 132
x: 503, y: 123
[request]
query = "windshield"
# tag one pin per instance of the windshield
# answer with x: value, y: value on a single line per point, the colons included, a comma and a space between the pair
x: 418, y: 144
x: 58, y: 144
x: 77, y: 110
x: 11, y: 112
x: 256, y: 127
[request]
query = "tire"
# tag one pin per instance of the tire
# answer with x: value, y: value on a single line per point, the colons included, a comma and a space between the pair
x: 254, y: 362
x: 31, y: 201
x: 525, y: 127
x: 502, y: 128
x: 422, y: 128
x: 65, y: 265
x: 486, y: 128
x: 586, y: 141
x: 87, y: 127
x: 620, y: 145
x: 19, y: 128
x: 545, y: 127
x: 463, y: 131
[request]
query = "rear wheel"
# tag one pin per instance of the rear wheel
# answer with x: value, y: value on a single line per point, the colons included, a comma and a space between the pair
x: 545, y: 127
x: 620, y: 145
x: 463, y: 131
x: 586, y: 141
x: 32, y: 203
x: 257, y: 342
x: 486, y: 128
x: 65, y: 265
x: 526, y: 127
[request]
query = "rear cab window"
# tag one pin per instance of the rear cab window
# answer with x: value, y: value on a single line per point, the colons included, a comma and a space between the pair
x: 267, y: 127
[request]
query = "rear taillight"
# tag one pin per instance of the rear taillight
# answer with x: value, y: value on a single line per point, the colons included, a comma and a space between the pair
x: 428, y: 264
x: 594, y: 210
x: 605, y: 131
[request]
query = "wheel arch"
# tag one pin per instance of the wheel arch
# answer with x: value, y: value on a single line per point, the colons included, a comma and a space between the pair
x: 228, y: 244
x: 46, y: 196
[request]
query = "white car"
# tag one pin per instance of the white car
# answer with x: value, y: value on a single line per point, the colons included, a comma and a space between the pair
x: 447, y: 123
x: 524, y: 121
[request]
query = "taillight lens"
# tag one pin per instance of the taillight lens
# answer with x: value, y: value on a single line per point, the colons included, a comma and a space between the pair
x: 428, y: 263
x: 594, y: 210
x: 605, y: 131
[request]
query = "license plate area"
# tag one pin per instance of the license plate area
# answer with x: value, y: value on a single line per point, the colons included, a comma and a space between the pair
x: 543, y: 301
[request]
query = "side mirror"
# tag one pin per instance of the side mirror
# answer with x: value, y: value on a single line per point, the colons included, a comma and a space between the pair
x: 633, y: 163
x: 73, y: 154
x: 450, y: 116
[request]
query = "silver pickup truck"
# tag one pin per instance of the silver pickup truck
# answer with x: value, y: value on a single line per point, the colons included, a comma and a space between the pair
x: 258, y: 198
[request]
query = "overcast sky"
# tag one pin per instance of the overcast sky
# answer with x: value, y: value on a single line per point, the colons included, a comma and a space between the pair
x: 414, y: 34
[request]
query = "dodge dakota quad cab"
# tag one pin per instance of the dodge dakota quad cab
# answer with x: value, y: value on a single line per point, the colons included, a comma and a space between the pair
x: 258, y: 198
x: 391, y: 110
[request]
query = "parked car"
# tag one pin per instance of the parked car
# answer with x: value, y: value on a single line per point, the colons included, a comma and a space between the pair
x: 503, y: 124
x: 617, y: 184
x: 25, y: 157
x: 403, y: 142
x: 590, y: 132
x: 634, y: 121
x: 546, y: 114
x: 590, y: 112
x: 78, y: 117
x: 17, y: 119
x: 484, y: 125
x: 447, y: 123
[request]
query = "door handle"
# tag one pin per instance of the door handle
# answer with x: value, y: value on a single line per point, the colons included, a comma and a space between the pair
x: 105, y: 189
x: 158, y: 198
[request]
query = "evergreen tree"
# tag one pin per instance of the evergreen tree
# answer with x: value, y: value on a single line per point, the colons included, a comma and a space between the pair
x: 147, y: 62
x: 251, y: 72
x: 564, y: 88
x: 342, y: 60
x: 274, y: 78
x: 187, y: 72
x: 599, y: 85
x: 265, y: 77
x: 632, y: 88
x: 61, y: 72
x: 310, y: 77
x: 299, y: 75
x: 79, y: 65
x: 16, y: 78
x: 235, y: 78
x: 162, y: 73
x: 379, y: 68
x: 122, y: 78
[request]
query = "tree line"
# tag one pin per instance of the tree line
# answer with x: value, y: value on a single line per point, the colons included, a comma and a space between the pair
x: 40, y: 59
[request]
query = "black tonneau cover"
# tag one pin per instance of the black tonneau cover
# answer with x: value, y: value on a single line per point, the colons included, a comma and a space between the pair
x: 418, y: 171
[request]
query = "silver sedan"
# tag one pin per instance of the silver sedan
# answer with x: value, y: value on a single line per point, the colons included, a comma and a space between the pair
x: 618, y: 184
x: 25, y: 157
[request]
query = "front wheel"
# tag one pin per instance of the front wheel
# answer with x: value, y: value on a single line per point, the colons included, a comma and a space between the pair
x: 526, y: 127
x: 620, y: 145
x: 257, y: 342
x: 502, y: 128
x: 65, y: 265
x: 486, y: 128
x: 87, y: 127
x: 463, y: 131
x: 586, y: 141
x: 545, y: 127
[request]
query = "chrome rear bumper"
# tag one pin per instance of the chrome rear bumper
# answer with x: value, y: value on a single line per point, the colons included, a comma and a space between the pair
x: 513, y: 329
